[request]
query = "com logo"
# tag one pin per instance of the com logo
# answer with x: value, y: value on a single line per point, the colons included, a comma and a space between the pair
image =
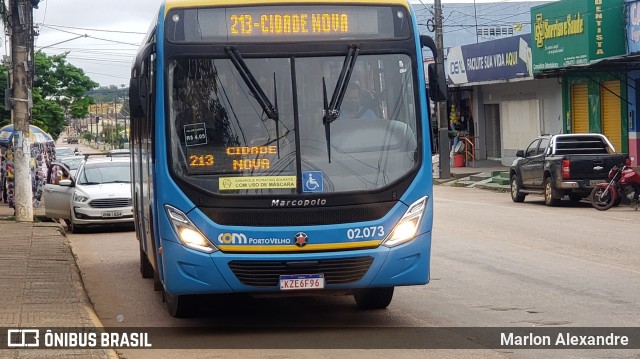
x: 232, y: 238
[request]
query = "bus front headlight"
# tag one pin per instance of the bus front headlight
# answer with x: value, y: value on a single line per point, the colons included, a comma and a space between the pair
x: 188, y: 234
x: 408, y: 225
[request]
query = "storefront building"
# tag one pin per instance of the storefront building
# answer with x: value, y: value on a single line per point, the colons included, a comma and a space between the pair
x: 581, y: 42
x: 493, y: 82
x: 633, y: 88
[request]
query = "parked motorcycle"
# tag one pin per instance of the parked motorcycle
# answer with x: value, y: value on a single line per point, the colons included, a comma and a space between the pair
x: 624, y: 182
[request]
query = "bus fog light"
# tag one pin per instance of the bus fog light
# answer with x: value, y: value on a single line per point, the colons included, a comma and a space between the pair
x: 187, y: 232
x: 407, y: 227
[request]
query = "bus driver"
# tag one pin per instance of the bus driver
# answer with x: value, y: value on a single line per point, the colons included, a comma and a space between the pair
x: 353, y: 106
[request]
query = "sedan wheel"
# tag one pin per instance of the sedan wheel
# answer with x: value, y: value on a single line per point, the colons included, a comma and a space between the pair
x: 73, y: 228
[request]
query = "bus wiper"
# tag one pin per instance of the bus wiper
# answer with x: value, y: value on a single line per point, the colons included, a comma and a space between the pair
x: 332, y: 110
x: 269, y: 109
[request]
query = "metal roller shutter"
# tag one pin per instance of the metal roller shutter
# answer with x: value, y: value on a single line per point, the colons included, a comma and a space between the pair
x: 611, y: 114
x: 580, y: 108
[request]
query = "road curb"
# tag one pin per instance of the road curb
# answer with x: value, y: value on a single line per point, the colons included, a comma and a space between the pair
x: 79, y: 287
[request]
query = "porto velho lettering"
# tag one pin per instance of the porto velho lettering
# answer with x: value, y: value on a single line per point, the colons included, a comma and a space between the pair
x: 543, y: 30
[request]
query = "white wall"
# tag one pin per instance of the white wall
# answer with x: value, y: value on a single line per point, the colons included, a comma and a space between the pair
x: 519, y: 128
x: 520, y: 122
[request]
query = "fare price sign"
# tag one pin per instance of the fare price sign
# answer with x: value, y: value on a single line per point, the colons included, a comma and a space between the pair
x: 195, y: 134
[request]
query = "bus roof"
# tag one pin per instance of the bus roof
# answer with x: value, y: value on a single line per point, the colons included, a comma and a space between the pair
x: 171, y: 4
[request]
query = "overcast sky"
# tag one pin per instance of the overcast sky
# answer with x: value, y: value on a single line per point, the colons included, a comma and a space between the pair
x: 106, y: 55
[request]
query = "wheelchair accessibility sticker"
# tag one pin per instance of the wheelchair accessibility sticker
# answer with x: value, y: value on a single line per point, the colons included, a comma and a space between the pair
x: 312, y: 181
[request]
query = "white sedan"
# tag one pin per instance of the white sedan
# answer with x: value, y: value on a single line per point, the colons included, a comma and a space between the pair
x: 99, y: 194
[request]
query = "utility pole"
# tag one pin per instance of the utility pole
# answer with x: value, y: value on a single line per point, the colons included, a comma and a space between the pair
x: 21, y: 31
x: 91, y: 118
x: 441, y: 107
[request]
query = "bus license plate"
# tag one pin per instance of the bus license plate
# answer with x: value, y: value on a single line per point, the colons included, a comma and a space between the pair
x: 301, y: 281
x: 111, y: 214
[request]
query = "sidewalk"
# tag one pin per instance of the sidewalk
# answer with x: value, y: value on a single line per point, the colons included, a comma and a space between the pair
x: 41, y: 285
x: 484, y: 174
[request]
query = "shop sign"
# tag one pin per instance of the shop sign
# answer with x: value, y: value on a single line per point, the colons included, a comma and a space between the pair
x: 495, y: 60
x: 576, y: 32
x: 633, y: 28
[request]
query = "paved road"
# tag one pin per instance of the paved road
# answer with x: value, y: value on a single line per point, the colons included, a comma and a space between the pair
x: 494, y: 263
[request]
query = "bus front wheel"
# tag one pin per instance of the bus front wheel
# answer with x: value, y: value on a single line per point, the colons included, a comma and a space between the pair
x: 373, y: 298
x: 181, y: 306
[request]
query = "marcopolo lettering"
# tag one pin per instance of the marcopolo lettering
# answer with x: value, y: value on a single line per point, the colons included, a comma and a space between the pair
x: 298, y: 202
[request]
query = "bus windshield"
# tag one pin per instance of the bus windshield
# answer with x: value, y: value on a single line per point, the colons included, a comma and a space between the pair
x: 225, y: 141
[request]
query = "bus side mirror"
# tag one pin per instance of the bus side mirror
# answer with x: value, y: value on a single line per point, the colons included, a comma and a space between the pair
x: 437, y: 81
x: 427, y: 41
x: 138, y: 85
x: 437, y: 84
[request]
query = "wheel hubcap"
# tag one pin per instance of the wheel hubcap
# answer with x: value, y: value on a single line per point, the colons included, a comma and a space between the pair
x: 547, y: 192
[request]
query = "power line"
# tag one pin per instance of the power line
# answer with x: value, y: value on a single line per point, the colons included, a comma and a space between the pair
x: 114, y: 52
x: 99, y: 60
x: 97, y: 73
x: 96, y: 38
x: 54, y: 27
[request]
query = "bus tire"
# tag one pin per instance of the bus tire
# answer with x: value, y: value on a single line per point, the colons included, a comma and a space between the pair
x: 181, y: 306
x: 373, y: 298
x: 157, y: 284
x: 146, y: 270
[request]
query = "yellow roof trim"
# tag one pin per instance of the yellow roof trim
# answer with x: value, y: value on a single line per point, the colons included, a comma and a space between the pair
x: 171, y: 4
x: 307, y: 248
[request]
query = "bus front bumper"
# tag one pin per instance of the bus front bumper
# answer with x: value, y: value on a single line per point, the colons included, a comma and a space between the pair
x: 186, y: 271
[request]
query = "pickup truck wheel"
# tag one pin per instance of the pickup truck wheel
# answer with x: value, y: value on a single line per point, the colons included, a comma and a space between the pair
x: 516, y: 195
x: 550, y: 194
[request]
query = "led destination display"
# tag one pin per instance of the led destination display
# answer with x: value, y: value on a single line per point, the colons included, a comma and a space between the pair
x: 285, y: 23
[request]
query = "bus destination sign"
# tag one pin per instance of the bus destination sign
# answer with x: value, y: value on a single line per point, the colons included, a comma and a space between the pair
x: 286, y: 23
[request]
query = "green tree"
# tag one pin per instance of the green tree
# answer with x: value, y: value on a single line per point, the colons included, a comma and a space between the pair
x: 106, y: 94
x: 5, y: 115
x: 59, y: 91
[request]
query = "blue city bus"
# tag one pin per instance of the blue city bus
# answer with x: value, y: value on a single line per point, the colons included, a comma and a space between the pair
x: 282, y: 147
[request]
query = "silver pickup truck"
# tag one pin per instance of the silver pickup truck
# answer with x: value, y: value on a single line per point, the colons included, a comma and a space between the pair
x: 559, y: 165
